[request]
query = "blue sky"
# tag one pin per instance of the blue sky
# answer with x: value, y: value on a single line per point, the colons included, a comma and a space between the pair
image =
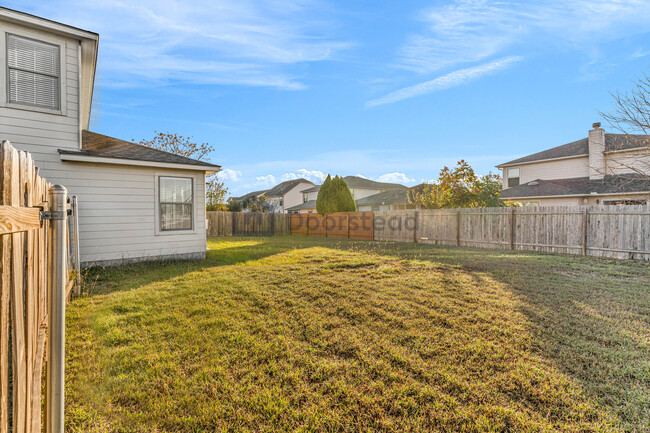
x: 389, y: 90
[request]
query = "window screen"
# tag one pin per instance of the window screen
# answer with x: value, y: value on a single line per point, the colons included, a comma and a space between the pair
x: 176, y: 203
x: 33, y: 71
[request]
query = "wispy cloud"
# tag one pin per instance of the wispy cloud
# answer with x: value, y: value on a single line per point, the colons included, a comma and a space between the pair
x: 241, y: 42
x: 452, y: 79
x: 468, y: 31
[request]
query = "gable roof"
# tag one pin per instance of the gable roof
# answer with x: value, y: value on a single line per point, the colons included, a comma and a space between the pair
x: 385, y: 197
x: 613, y: 142
x: 361, y: 182
x: 282, y: 188
x: 249, y: 195
x: 309, y: 204
x: 102, y: 146
x: 581, y: 186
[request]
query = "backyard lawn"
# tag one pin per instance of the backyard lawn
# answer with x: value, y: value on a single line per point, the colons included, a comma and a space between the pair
x: 307, y: 334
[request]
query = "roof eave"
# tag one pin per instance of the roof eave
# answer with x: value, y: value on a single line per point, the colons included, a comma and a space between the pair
x: 575, y: 195
x: 41, y: 23
x: 76, y: 157
x: 511, y: 163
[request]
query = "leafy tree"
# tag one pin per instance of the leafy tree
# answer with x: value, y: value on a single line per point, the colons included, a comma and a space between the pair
x: 334, y: 196
x: 215, y: 192
x: 344, y: 200
x: 257, y: 204
x: 324, y: 201
x: 234, y: 206
x: 459, y: 187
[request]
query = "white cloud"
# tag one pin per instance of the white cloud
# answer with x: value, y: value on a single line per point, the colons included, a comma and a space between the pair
x: 245, y: 42
x: 229, y: 175
x: 311, y: 175
x: 362, y: 176
x: 452, y: 79
x: 265, y: 181
x: 395, y: 177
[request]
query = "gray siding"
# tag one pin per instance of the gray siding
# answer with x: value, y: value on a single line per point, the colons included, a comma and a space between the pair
x: 118, y: 211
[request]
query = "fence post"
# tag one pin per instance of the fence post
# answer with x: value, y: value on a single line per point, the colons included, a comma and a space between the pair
x: 415, y: 228
x: 75, y: 240
x: 512, y: 228
x: 585, y: 223
x: 458, y: 228
x: 56, y: 303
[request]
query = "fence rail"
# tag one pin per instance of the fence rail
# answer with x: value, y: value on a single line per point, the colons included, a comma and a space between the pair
x: 222, y: 223
x: 605, y: 231
x: 26, y: 266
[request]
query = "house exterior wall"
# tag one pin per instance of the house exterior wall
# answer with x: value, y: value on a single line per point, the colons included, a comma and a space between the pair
x: 358, y: 193
x: 558, y: 169
x: 638, y: 161
x: 118, y: 215
x: 294, y: 196
x: 40, y: 131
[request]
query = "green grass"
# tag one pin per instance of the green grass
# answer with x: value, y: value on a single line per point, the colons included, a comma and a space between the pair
x: 306, y: 334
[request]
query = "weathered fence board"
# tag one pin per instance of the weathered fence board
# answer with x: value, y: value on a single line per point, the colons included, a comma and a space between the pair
x: 221, y: 223
x: 603, y: 231
x: 352, y: 225
x: 24, y: 293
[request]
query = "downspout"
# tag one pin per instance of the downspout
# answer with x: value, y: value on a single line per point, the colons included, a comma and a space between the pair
x: 79, y: 90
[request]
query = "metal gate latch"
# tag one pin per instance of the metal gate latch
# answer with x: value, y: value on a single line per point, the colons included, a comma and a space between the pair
x: 53, y: 215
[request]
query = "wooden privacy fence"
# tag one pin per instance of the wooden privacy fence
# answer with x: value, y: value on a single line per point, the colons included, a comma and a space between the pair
x: 222, y: 223
x: 603, y: 231
x: 349, y: 225
x: 31, y: 226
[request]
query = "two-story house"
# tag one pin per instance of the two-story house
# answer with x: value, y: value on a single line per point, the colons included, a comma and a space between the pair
x: 368, y: 194
x: 602, y: 168
x: 135, y: 203
x: 284, y: 195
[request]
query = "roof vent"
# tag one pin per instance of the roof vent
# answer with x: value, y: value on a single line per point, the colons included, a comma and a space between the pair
x: 596, y: 125
x: 533, y: 183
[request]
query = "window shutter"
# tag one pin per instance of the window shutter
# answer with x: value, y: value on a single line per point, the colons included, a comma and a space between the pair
x: 34, y: 71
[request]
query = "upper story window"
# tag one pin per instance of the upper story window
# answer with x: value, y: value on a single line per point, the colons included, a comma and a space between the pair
x: 33, y: 72
x: 305, y: 196
x: 176, y: 203
x: 513, y: 177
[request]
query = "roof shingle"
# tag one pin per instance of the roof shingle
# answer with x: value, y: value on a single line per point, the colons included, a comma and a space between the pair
x: 103, y: 146
x: 579, y: 186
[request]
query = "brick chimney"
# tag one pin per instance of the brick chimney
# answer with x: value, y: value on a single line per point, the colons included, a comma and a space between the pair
x: 597, y: 164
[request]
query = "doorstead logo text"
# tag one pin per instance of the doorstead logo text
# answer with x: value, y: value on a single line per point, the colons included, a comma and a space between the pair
x: 314, y: 222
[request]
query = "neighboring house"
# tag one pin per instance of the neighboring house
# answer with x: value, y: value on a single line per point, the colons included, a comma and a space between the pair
x: 135, y: 203
x: 361, y: 189
x: 600, y: 169
x: 283, y: 195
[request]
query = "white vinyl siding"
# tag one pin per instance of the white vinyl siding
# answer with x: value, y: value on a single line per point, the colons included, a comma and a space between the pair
x: 38, y: 130
x: 118, y: 215
x: 33, y: 72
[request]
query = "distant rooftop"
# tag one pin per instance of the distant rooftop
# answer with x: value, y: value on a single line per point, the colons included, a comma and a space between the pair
x: 613, y: 142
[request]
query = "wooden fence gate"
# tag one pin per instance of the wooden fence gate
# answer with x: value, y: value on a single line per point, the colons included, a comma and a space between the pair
x: 348, y: 225
x: 27, y: 268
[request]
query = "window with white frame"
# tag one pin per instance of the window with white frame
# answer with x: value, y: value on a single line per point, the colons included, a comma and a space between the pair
x: 33, y: 72
x: 176, y: 201
x: 513, y: 177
